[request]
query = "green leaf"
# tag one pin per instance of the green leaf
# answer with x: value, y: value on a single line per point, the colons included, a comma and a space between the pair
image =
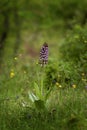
x: 32, y: 96
x: 48, y: 93
x: 37, y: 90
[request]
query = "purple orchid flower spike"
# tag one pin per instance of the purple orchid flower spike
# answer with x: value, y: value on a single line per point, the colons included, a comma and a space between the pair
x: 44, y: 54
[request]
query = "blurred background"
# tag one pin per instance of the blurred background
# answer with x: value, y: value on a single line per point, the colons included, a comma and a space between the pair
x: 25, y: 25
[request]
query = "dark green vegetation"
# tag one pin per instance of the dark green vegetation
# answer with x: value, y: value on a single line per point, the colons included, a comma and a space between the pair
x: 53, y: 97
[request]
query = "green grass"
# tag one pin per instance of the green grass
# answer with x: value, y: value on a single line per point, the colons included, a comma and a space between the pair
x: 66, y: 109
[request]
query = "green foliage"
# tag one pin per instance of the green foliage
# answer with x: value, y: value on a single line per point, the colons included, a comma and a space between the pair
x: 69, y: 112
x: 58, y: 13
x: 63, y: 75
x: 75, y: 48
x: 38, y: 15
x: 50, y: 75
x: 68, y: 74
x: 41, y: 94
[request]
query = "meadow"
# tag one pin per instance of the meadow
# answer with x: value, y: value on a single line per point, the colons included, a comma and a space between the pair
x: 54, y: 96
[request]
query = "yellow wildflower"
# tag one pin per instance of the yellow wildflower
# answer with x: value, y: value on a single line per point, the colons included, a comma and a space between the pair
x: 83, y: 79
x: 60, y: 86
x: 59, y: 76
x: 83, y: 74
x: 37, y: 63
x: 12, y: 74
x: 57, y: 84
x: 15, y: 58
x: 24, y: 72
x: 74, y: 86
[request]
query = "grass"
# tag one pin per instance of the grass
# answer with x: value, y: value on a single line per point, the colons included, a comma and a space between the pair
x: 66, y: 109
x: 66, y: 105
